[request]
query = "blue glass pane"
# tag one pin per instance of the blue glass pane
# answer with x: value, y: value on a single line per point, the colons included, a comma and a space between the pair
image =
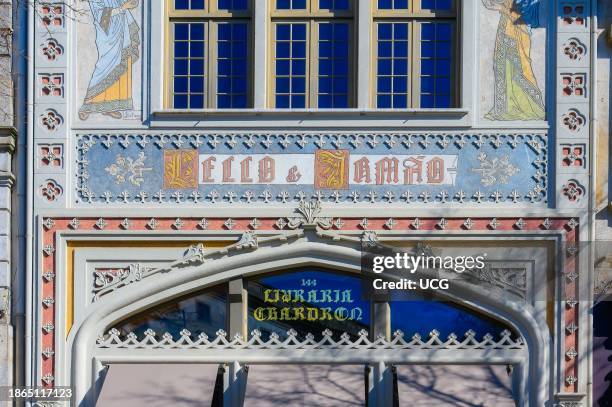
x: 196, y: 67
x: 400, y: 84
x: 197, y: 49
x: 325, y: 101
x: 341, y: 67
x: 224, y: 101
x: 197, y: 4
x: 326, y: 67
x: 400, y: 66
x: 385, y: 49
x: 232, y: 4
x: 443, y: 101
x: 298, y: 50
x: 325, y: 49
x: 427, y: 84
x: 283, y: 67
x: 224, y: 49
x: 282, y: 101
x: 197, y: 31
x: 290, y: 4
x: 334, y: 4
x: 181, y: 84
x: 224, y: 67
x: 238, y: 85
x: 196, y: 101
x: 444, y: 317
x: 428, y: 66
x: 385, y: 31
x: 181, y: 49
x: 181, y: 31
x: 384, y: 67
x: 283, y: 50
x: 181, y: 102
x: 443, y: 67
x: 341, y: 85
x: 428, y: 31
x: 444, y: 32
x: 325, y: 31
x: 341, y: 32
x: 239, y: 101
x: 298, y: 67
x: 298, y: 101
x: 340, y: 101
x: 384, y: 84
x: 298, y: 32
x: 437, y: 5
x: 224, y: 85
x: 427, y: 101
x: 239, y: 31
x: 282, y: 85
x: 298, y: 85
x: 224, y: 31
x: 400, y: 31
x: 383, y: 101
x: 442, y: 85
x: 385, y: 4
x: 181, y: 66
x: 283, y: 32
x: 443, y: 50
x: 400, y: 49
x: 239, y: 67
x: 196, y: 85
x: 428, y: 49
x: 325, y: 85
x: 400, y: 102
x: 181, y: 4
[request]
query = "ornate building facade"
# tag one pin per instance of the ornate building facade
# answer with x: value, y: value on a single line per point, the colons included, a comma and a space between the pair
x: 205, y: 174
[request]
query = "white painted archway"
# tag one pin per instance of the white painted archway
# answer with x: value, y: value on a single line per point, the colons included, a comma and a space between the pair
x: 299, y: 250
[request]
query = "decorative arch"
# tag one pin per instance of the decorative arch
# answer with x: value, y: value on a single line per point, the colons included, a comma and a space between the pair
x: 253, y: 255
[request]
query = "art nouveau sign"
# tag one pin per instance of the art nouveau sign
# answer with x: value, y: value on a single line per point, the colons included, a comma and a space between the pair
x: 339, y: 168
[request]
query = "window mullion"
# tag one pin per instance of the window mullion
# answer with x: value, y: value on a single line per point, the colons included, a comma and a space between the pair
x: 312, y: 65
x: 211, y: 66
x: 415, y: 55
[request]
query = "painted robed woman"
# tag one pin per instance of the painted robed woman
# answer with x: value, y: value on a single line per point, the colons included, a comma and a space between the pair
x: 118, y: 43
x: 517, y: 95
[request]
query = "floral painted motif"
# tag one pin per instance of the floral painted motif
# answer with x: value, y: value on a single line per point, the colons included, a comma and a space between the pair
x: 495, y: 171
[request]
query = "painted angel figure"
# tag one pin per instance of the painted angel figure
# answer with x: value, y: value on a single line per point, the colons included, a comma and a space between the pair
x: 517, y: 94
x: 118, y: 44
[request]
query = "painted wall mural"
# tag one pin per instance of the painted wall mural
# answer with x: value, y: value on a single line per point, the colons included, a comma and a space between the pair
x: 517, y: 94
x: 111, y: 83
x: 264, y: 168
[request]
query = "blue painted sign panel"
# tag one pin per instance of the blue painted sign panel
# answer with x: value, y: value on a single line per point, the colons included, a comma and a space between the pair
x: 339, y: 168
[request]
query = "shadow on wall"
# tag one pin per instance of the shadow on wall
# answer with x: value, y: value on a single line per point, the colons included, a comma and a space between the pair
x: 602, y: 353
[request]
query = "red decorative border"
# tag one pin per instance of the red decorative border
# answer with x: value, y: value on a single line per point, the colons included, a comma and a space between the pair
x: 51, y: 226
